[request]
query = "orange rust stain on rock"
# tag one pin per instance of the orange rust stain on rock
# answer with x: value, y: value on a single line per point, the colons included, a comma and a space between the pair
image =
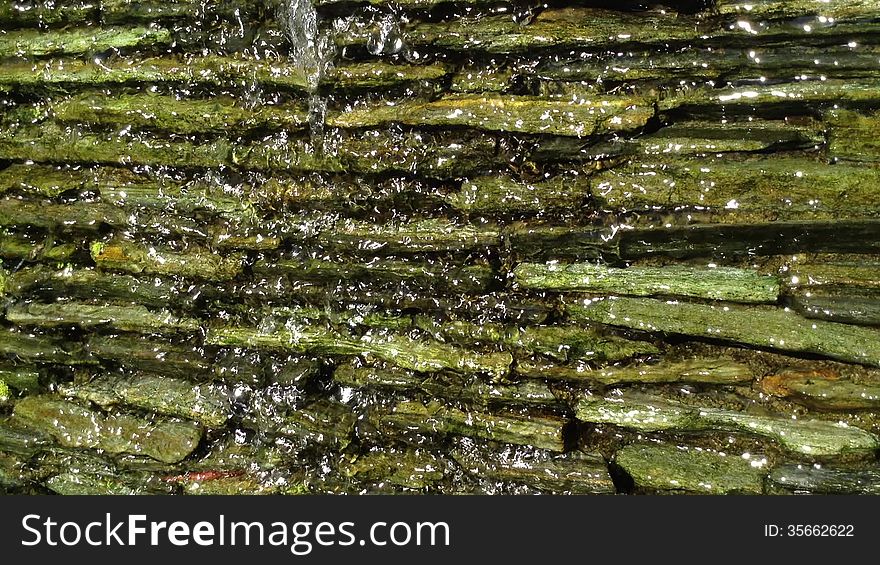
x: 113, y: 253
x: 777, y: 384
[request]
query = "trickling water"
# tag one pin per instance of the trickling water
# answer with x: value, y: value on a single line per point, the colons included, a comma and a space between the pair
x: 317, y: 116
x: 308, y: 51
x: 388, y: 36
x: 311, y: 52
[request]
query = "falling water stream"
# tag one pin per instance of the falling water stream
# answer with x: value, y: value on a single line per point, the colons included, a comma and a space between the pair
x: 311, y: 54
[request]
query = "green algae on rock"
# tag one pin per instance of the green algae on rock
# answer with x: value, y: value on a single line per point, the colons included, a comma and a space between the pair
x: 376, y: 74
x: 88, y: 482
x: 812, y: 272
x: 151, y: 10
x: 33, y: 43
x: 790, y: 9
x: 11, y: 475
x: 508, y: 114
x: 344, y: 247
x: 825, y: 480
x: 136, y: 258
x: 574, y: 472
x: 46, y: 12
x: 90, y: 284
x: 694, y: 240
x: 498, y: 194
x: 151, y: 355
x: 409, y: 468
x: 205, y: 403
x: 401, y: 350
x: 73, y: 425
x: 84, y: 473
x: 471, y: 390
x: 172, y: 114
x: 481, y: 80
x: 765, y: 187
x: 326, y: 422
x: 91, y: 217
x: 699, y: 63
x: 43, y: 143
x: 242, y: 485
x: 773, y: 328
x: 463, y: 279
x: 124, y: 318
x: 573, y: 28
x: 17, y: 246
x: 667, y: 467
x: 714, y: 371
x: 823, y: 389
x: 41, y: 348
x: 814, y: 438
x: 543, y: 432
x: 46, y: 181
x: 846, y: 305
x: 361, y: 152
x: 419, y: 236
x: 85, y: 217
x: 850, y: 136
x: 818, y: 94
x: 558, y: 342
x: 719, y: 283
x: 210, y: 70
x: 22, y: 378
x: 22, y: 441
x: 199, y: 197
x: 228, y: 454
x: 704, y: 137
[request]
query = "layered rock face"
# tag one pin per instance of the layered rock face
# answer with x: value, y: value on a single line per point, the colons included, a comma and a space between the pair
x: 467, y: 246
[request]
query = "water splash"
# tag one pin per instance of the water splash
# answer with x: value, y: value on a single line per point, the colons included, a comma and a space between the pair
x: 388, y: 37
x: 317, y: 115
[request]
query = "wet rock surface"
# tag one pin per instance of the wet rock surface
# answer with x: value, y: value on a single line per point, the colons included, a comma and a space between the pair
x: 439, y: 246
